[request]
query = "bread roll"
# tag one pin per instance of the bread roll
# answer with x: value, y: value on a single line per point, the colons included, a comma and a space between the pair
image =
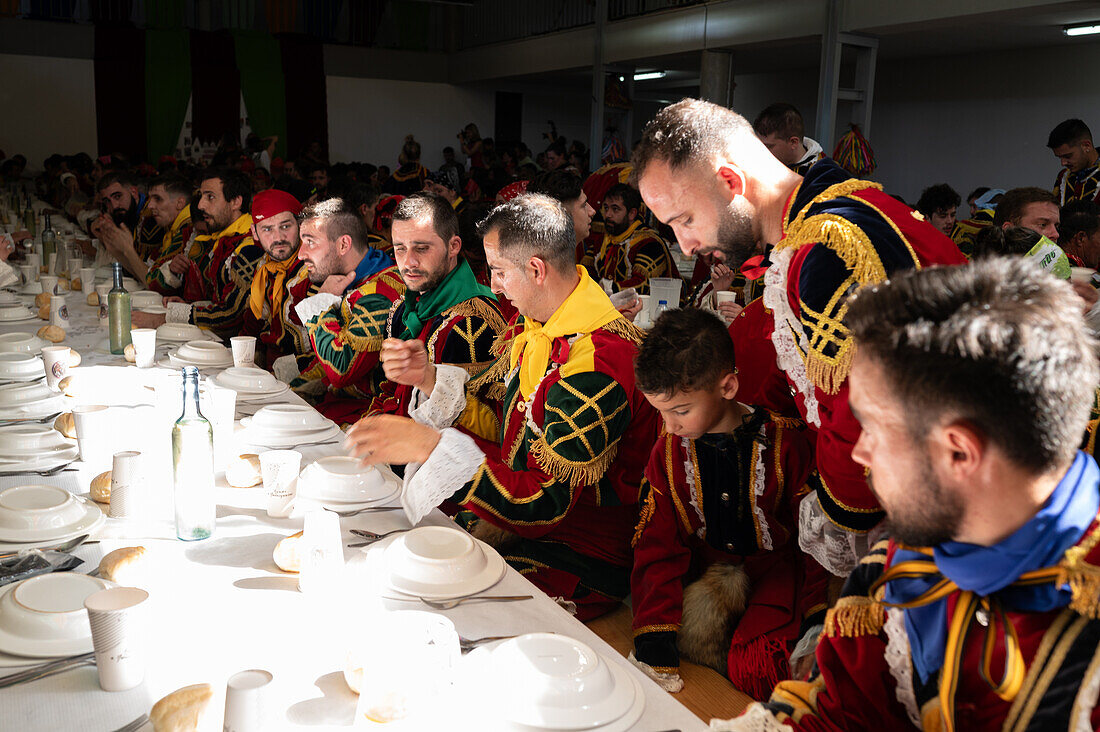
x: 44, y: 269
x: 68, y: 384
x: 66, y: 425
x: 74, y: 358
x: 128, y: 353
x: 92, y: 299
x: 101, y: 488
x: 42, y: 298
x: 63, y: 283
x: 44, y: 312
x: 53, y: 333
x: 126, y: 566
x: 286, y: 554
x: 76, y: 284
x: 243, y: 471
x: 185, y: 710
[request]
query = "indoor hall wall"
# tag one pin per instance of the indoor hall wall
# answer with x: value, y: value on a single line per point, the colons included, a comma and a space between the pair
x: 47, y: 105
x: 368, y: 119
x: 570, y: 110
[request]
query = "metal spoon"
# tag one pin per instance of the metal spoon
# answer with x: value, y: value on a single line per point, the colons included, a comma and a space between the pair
x: 448, y: 604
x: 65, y: 547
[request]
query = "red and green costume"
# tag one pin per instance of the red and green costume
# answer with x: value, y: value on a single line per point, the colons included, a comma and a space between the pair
x: 631, y: 258
x: 160, y: 278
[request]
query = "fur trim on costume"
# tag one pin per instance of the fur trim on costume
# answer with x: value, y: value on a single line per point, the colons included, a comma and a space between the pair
x: 711, y: 607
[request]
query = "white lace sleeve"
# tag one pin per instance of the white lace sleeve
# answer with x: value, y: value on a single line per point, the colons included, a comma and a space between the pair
x: 835, y: 549
x: 452, y: 463
x: 170, y: 278
x: 756, y: 718
x: 8, y: 275
x: 447, y: 401
x: 311, y: 307
x: 898, y: 659
x: 807, y: 644
x: 178, y: 312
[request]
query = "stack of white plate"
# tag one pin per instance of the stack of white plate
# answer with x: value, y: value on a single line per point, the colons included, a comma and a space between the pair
x: 201, y: 354
x: 25, y: 342
x: 439, y: 563
x: 44, y: 515
x: 251, y: 384
x: 145, y: 298
x: 44, y: 617
x: 32, y: 288
x: 29, y: 399
x: 546, y: 681
x: 7, y: 297
x: 20, y: 366
x: 16, y: 314
x: 342, y: 484
x: 34, y: 447
x: 282, y: 426
x: 179, y: 333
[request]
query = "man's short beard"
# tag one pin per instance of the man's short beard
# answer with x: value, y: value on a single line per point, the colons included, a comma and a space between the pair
x: 323, y: 268
x: 935, y: 516
x: 434, y: 279
x: 736, y: 239
x: 292, y: 250
x: 615, y: 229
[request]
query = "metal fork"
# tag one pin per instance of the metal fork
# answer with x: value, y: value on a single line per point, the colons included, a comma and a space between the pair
x: 135, y: 725
x: 466, y: 645
x: 30, y: 420
x: 448, y: 604
x: 63, y: 468
x: 368, y: 509
x: 369, y: 537
x: 50, y: 668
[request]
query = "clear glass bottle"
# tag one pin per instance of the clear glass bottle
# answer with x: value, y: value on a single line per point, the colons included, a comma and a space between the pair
x: 28, y: 217
x: 49, y: 242
x: 193, y: 465
x: 118, y: 313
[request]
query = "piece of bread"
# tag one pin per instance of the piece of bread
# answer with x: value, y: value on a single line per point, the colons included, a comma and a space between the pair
x: 63, y: 283
x: 44, y: 312
x: 42, y: 298
x: 287, y: 553
x: 129, y: 354
x: 74, y: 358
x: 76, y: 284
x: 186, y: 710
x: 68, y: 384
x: 66, y: 425
x: 126, y: 566
x: 101, y: 488
x: 243, y: 471
x: 53, y: 333
x: 92, y: 299
x: 44, y: 269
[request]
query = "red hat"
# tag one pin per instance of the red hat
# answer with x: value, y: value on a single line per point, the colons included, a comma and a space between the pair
x: 272, y: 202
x: 510, y: 191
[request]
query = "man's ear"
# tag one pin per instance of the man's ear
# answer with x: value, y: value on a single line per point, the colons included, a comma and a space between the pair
x: 959, y: 449
x: 732, y: 179
x: 255, y: 234
x: 345, y: 244
x: 538, y: 270
x: 454, y: 246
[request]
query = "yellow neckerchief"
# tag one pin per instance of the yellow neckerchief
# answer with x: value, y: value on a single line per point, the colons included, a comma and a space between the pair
x: 966, y: 609
x: 277, y: 273
x: 456, y: 203
x: 183, y: 215
x: 614, y: 241
x: 586, y: 309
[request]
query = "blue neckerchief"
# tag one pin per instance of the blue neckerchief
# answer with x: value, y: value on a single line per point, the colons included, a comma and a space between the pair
x: 373, y: 262
x: 985, y: 570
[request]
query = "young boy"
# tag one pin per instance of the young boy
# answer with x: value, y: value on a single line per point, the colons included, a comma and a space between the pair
x: 718, y: 576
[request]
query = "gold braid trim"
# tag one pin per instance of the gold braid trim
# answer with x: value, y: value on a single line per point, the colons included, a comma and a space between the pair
x: 625, y: 330
x: 787, y: 423
x: 828, y: 374
x: 476, y: 307
x: 1083, y: 578
x: 854, y: 616
x: 1092, y: 428
x: 844, y: 188
x: 570, y: 471
x: 674, y: 627
x: 648, y: 509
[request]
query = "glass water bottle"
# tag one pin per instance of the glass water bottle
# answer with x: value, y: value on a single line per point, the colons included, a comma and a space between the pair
x: 49, y: 242
x: 193, y: 465
x: 28, y: 217
x: 118, y: 313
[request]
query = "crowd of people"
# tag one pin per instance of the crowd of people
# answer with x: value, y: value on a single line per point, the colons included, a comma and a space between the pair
x: 862, y: 487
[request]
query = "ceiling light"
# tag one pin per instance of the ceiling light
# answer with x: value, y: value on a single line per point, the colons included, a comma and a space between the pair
x: 1079, y: 30
x: 648, y: 75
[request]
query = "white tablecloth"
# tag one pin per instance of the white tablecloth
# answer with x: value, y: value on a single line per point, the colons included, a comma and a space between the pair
x: 220, y: 606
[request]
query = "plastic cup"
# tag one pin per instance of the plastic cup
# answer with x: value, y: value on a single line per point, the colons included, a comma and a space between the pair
x: 59, y: 312
x: 87, y: 280
x: 49, y: 283
x: 56, y: 361
x: 145, y: 346
x: 279, y: 470
x: 247, y: 701
x: 322, y: 552
x: 102, y: 290
x: 93, y: 423
x: 126, y: 485
x: 244, y: 350
x: 119, y: 620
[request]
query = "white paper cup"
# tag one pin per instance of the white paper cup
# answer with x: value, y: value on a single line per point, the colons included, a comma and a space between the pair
x: 247, y: 701
x: 49, y: 283
x: 219, y: 406
x: 725, y: 296
x: 102, y: 290
x: 119, y: 624
x: 279, y: 470
x: 145, y: 346
x: 244, y: 350
x: 93, y: 423
x: 321, y: 551
x: 126, y: 485
x: 59, y: 312
x: 27, y: 272
x: 56, y: 361
x: 87, y: 280
x: 35, y: 260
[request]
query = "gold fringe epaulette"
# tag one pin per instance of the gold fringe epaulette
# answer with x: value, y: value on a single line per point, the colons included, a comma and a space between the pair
x: 477, y: 307
x: 625, y: 330
x: 649, y: 507
x: 854, y: 616
x: 491, y: 380
x: 847, y: 240
x: 829, y: 373
x: 787, y: 423
x: 1082, y: 577
x: 570, y: 471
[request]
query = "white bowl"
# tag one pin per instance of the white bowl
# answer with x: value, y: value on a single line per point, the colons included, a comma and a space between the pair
x: 153, y: 309
x: 343, y: 480
x: 7, y: 297
x: 32, y: 288
x: 39, y: 508
x: 18, y: 364
x: 27, y: 342
x: 19, y: 394
x: 15, y: 312
x: 29, y: 437
x: 551, y: 681
x: 247, y: 378
x: 288, y: 416
x: 206, y: 352
x: 145, y: 298
x: 179, y: 332
x: 436, y: 555
x: 131, y: 285
x: 45, y: 616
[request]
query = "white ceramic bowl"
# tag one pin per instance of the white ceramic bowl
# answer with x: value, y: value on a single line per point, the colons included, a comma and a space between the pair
x: 19, y: 394
x: 27, y: 342
x: 343, y: 480
x: 32, y: 288
x: 29, y: 437
x: 145, y: 298
x: 288, y: 416
x: 246, y: 378
x: 436, y: 555
x: 551, y: 681
x: 39, y: 508
x: 45, y: 616
x: 15, y: 312
x: 19, y: 364
x: 205, y: 352
x: 179, y: 332
x: 153, y: 309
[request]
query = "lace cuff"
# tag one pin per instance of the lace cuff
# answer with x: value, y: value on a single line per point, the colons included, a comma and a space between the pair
x: 835, y: 549
x: 671, y: 683
x: 451, y: 465
x: 178, y: 312
x: 756, y: 718
x: 313, y: 306
x: 807, y: 644
x: 447, y: 401
x: 170, y: 278
x: 285, y: 368
x: 8, y: 275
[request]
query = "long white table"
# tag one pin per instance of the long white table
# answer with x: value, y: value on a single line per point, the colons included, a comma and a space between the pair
x: 220, y: 605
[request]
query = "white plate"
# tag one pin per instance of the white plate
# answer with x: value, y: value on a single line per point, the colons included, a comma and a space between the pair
x: 175, y: 361
x: 392, y: 491
x: 58, y: 594
x: 30, y: 410
x: 91, y: 514
x: 244, y: 397
x: 19, y: 395
x: 152, y: 309
x: 180, y: 333
x: 145, y: 298
x: 312, y: 485
x: 44, y: 460
x: 27, y: 342
x: 20, y: 366
x: 494, y: 570
x: 7, y: 297
x: 281, y: 442
x: 18, y: 546
x: 32, y: 288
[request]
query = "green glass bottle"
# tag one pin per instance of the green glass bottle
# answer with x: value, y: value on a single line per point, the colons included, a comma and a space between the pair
x: 49, y: 242
x: 28, y: 218
x: 193, y: 465
x: 118, y: 313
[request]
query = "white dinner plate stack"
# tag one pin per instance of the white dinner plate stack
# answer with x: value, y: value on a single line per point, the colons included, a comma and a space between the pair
x: 145, y: 298
x: 342, y: 484
x: 28, y: 400
x: 44, y: 515
x: 202, y: 355
x: 179, y: 333
x: 20, y: 342
x: 16, y: 313
x: 7, y: 297
x: 18, y: 366
x: 439, y: 563
x: 251, y: 384
x: 283, y: 426
x: 34, y: 446
x: 44, y: 617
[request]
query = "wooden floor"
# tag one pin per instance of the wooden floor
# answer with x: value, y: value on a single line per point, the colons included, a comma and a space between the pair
x: 707, y: 693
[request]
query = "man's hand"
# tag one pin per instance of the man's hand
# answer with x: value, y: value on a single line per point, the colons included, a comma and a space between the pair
x: 721, y: 276
x: 407, y: 362
x: 1086, y: 292
x: 729, y: 311
x: 336, y: 284
x: 179, y: 264
x: 139, y: 319
x: 631, y: 311
x: 389, y: 439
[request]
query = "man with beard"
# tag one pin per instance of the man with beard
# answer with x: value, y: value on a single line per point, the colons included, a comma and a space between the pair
x: 630, y: 253
x: 444, y: 307
x: 702, y: 170
x: 220, y: 284
x: 124, y: 209
x: 981, y: 612
x: 346, y: 319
